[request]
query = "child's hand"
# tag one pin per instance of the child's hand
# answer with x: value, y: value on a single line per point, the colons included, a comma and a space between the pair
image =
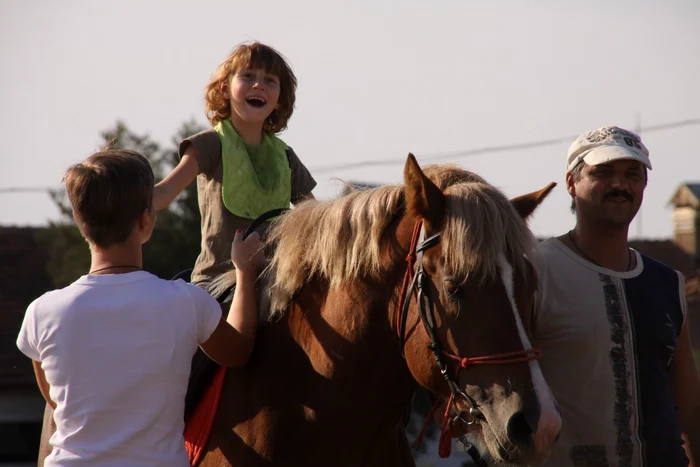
x: 247, y: 255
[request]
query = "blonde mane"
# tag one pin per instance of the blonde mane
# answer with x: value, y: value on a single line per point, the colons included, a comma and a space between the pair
x: 340, y: 239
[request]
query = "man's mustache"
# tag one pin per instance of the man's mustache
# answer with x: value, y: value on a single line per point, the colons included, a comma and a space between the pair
x: 618, y: 194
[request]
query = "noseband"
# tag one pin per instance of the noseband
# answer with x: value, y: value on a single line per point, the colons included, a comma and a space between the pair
x: 416, y: 279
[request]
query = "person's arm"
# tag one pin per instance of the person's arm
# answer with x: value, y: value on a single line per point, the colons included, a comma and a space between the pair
x: 686, y: 389
x: 186, y: 171
x: 43, y: 384
x: 232, y: 341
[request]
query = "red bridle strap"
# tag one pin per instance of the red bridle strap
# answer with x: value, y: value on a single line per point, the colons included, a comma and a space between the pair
x: 408, y: 276
x: 518, y: 356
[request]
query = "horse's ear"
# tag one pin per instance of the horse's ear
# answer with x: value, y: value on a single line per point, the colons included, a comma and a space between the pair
x: 526, y: 204
x: 423, y: 198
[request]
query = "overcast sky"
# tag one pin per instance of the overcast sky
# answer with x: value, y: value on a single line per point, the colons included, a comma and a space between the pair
x: 377, y: 79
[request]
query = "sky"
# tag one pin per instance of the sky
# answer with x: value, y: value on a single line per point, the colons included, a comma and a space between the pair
x: 377, y: 79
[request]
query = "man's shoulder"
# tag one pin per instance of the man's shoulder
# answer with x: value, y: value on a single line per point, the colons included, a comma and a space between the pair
x: 556, y: 263
x: 550, y: 248
x: 547, y: 244
x: 657, y: 266
x: 660, y: 276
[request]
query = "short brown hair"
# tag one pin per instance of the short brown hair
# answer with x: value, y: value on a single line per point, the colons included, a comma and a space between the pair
x: 109, y: 191
x: 253, y: 56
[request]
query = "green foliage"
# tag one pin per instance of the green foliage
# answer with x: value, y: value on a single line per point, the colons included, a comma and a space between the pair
x: 69, y: 255
x: 175, y: 243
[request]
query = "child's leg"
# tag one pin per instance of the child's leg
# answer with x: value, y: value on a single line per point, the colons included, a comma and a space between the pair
x: 202, y: 371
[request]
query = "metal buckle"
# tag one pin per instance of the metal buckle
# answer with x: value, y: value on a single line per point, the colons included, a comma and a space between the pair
x: 460, y: 417
x: 476, y: 413
x: 473, y: 411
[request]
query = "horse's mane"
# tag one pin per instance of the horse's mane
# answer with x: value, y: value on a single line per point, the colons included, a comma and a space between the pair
x: 340, y: 239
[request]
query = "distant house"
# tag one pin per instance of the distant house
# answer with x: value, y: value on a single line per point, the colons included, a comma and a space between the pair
x: 668, y: 252
x: 686, y: 218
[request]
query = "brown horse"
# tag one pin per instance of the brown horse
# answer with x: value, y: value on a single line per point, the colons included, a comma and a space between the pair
x: 352, y: 328
x: 334, y: 370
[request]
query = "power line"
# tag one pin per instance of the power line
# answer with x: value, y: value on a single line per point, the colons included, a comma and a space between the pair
x: 20, y: 189
x: 463, y: 154
x: 444, y: 156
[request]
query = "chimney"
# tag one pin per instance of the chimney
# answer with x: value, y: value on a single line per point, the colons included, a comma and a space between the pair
x: 686, y: 219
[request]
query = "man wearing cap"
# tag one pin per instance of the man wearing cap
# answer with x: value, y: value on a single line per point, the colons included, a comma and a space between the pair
x: 611, y: 322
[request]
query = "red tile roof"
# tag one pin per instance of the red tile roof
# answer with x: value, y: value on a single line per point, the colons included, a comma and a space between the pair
x: 668, y: 253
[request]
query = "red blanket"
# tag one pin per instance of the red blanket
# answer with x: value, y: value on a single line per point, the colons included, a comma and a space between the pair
x: 198, y: 427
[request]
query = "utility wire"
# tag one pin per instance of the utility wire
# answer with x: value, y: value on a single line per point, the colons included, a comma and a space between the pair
x: 443, y: 156
x: 27, y: 189
x: 464, y: 154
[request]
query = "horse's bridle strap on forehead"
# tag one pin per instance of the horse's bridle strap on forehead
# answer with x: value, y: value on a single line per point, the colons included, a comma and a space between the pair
x: 417, y: 279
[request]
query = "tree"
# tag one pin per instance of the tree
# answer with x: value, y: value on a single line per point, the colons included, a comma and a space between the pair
x: 175, y: 243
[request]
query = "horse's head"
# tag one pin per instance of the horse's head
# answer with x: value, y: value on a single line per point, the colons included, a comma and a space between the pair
x: 468, y: 311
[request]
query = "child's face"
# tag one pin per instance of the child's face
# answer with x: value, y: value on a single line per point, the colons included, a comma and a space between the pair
x: 253, y: 95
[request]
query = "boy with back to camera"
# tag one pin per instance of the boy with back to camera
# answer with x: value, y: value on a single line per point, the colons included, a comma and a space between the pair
x: 112, y: 351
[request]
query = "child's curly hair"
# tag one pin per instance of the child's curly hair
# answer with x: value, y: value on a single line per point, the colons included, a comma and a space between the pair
x: 253, y: 56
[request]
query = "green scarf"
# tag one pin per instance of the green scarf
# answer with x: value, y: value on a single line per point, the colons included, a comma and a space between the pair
x: 257, y: 178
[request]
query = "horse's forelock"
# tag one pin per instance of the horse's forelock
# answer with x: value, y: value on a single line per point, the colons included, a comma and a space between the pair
x: 481, y: 225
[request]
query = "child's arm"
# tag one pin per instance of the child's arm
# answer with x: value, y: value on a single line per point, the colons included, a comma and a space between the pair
x: 232, y: 341
x: 177, y: 180
x: 43, y: 384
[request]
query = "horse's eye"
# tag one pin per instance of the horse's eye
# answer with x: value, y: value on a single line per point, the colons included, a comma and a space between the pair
x: 454, y: 289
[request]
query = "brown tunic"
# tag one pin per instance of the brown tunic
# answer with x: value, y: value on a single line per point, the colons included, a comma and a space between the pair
x: 218, y: 224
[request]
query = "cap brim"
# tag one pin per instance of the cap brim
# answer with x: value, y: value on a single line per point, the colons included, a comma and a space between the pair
x: 603, y: 154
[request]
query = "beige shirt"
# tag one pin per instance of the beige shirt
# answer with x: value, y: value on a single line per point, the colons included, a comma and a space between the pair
x: 607, y: 340
x: 218, y: 224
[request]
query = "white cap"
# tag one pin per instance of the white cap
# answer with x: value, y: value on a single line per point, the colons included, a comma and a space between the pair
x: 607, y: 144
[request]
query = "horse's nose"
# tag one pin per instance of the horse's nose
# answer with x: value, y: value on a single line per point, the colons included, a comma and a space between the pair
x: 520, y: 430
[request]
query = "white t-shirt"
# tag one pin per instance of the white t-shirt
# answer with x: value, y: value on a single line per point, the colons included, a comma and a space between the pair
x: 117, y: 351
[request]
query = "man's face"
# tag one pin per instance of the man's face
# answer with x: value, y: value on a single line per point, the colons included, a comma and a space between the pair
x: 610, y: 193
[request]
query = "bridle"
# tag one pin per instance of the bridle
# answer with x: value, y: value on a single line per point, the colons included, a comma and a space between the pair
x: 416, y: 279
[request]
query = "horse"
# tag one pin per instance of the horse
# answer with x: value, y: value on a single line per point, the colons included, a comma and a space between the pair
x: 368, y: 295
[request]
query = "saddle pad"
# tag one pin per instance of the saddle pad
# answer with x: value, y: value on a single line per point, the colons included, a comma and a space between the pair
x: 198, y: 426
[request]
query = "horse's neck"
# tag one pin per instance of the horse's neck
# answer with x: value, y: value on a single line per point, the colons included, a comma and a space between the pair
x: 346, y: 337
x: 329, y: 370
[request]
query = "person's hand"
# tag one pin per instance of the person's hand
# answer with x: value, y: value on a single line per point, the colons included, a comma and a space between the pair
x: 247, y: 255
